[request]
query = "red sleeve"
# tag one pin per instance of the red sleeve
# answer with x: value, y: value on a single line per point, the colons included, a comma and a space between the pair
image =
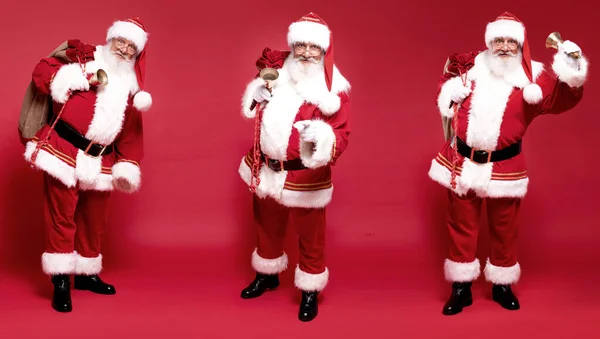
x: 129, y: 147
x: 332, y: 137
x: 44, y: 73
x: 558, y: 96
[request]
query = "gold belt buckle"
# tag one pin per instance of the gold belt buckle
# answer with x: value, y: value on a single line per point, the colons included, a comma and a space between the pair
x: 87, y: 149
x: 473, y: 150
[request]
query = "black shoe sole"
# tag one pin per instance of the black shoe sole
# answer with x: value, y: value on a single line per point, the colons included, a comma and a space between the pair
x: 312, y: 317
x: 468, y: 303
x: 510, y: 308
x: 80, y: 288
x: 258, y: 295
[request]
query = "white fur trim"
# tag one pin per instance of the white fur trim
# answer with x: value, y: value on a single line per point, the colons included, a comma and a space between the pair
x: 248, y: 97
x: 87, y: 168
x: 129, y: 31
x: 128, y: 171
x: 495, y: 188
x: 58, y: 263
x: 569, y: 75
x: 311, y: 282
x: 104, y: 183
x: 503, y: 29
x: 306, y: 199
x: 269, y: 266
x: 461, y: 272
x: 444, y: 100
x: 142, y: 101
x: 111, y: 101
x: 532, y: 93
x: 64, y: 79
x: 277, y: 120
x: 307, y: 31
x: 315, y: 155
x: 88, y: 266
x: 502, y: 275
x: 271, y: 184
x: 52, y: 165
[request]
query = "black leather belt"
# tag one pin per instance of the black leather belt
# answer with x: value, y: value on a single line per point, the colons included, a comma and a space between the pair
x: 76, y: 139
x: 483, y: 157
x: 288, y: 165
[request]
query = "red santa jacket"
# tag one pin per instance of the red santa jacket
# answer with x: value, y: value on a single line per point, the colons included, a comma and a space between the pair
x: 292, y: 102
x: 104, y: 115
x: 495, y: 116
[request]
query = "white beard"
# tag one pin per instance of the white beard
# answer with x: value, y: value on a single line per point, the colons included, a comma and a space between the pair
x: 300, y: 72
x: 501, y: 66
x: 116, y: 65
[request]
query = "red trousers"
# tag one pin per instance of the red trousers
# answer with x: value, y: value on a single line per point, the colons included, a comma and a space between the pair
x: 75, y: 221
x: 463, y: 221
x: 269, y: 257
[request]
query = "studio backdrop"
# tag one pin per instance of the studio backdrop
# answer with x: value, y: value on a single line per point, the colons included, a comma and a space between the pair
x: 193, y: 212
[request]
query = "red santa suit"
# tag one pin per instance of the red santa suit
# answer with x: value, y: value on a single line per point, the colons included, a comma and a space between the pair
x: 495, y: 117
x: 295, y: 173
x: 78, y: 179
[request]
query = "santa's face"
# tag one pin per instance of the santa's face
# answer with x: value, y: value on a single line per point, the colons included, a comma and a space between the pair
x: 505, y: 48
x: 123, y: 49
x: 307, y: 53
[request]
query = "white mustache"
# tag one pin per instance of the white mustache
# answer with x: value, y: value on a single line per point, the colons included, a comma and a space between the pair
x: 505, y: 53
x: 120, y: 54
x: 313, y: 60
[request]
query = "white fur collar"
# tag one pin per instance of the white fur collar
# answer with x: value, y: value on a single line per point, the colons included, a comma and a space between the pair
x: 314, y: 90
x: 518, y: 78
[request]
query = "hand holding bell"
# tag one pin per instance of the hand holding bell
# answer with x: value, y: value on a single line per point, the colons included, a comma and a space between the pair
x: 554, y: 40
x: 269, y: 74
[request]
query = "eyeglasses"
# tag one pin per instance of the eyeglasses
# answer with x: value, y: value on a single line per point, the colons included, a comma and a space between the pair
x: 131, y: 49
x: 300, y: 48
x: 500, y: 42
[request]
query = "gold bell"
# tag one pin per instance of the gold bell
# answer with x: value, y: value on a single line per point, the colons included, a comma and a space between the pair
x: 269, y: 74
x: 99, y: 78
x: 554, y: 40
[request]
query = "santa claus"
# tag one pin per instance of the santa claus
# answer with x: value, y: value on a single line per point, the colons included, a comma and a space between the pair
x: 92, y: 144
x: 302, y: 129
x: 491, y: 98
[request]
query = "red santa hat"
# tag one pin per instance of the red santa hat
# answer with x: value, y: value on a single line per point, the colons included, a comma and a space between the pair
x: 135, y: 31
x: 312, y: 29
x: 507, y: 25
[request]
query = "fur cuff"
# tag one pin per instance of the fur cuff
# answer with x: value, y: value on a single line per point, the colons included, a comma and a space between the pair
x: 124, y: 170
x: 444, y: 100
x: 315, y: 155
x: 58, y: 263
x: 248, y: 97
x: 502, y: 275
x: 311, y: 282
x: 571, y: 76
x: 88, y: 168
x: 67, y: 76
x: 88, y: 266
x: 461, y: 272
x: 269, y: 266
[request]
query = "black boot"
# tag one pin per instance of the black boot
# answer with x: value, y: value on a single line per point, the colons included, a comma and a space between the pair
x: 93, y: 283
x: 61, y: 297
x: 260, y: 284
x: 461, y: 297
x: 503, y: 295
x: 309, y: 306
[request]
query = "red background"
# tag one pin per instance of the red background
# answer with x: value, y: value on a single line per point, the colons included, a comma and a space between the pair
x: 179, y: 251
